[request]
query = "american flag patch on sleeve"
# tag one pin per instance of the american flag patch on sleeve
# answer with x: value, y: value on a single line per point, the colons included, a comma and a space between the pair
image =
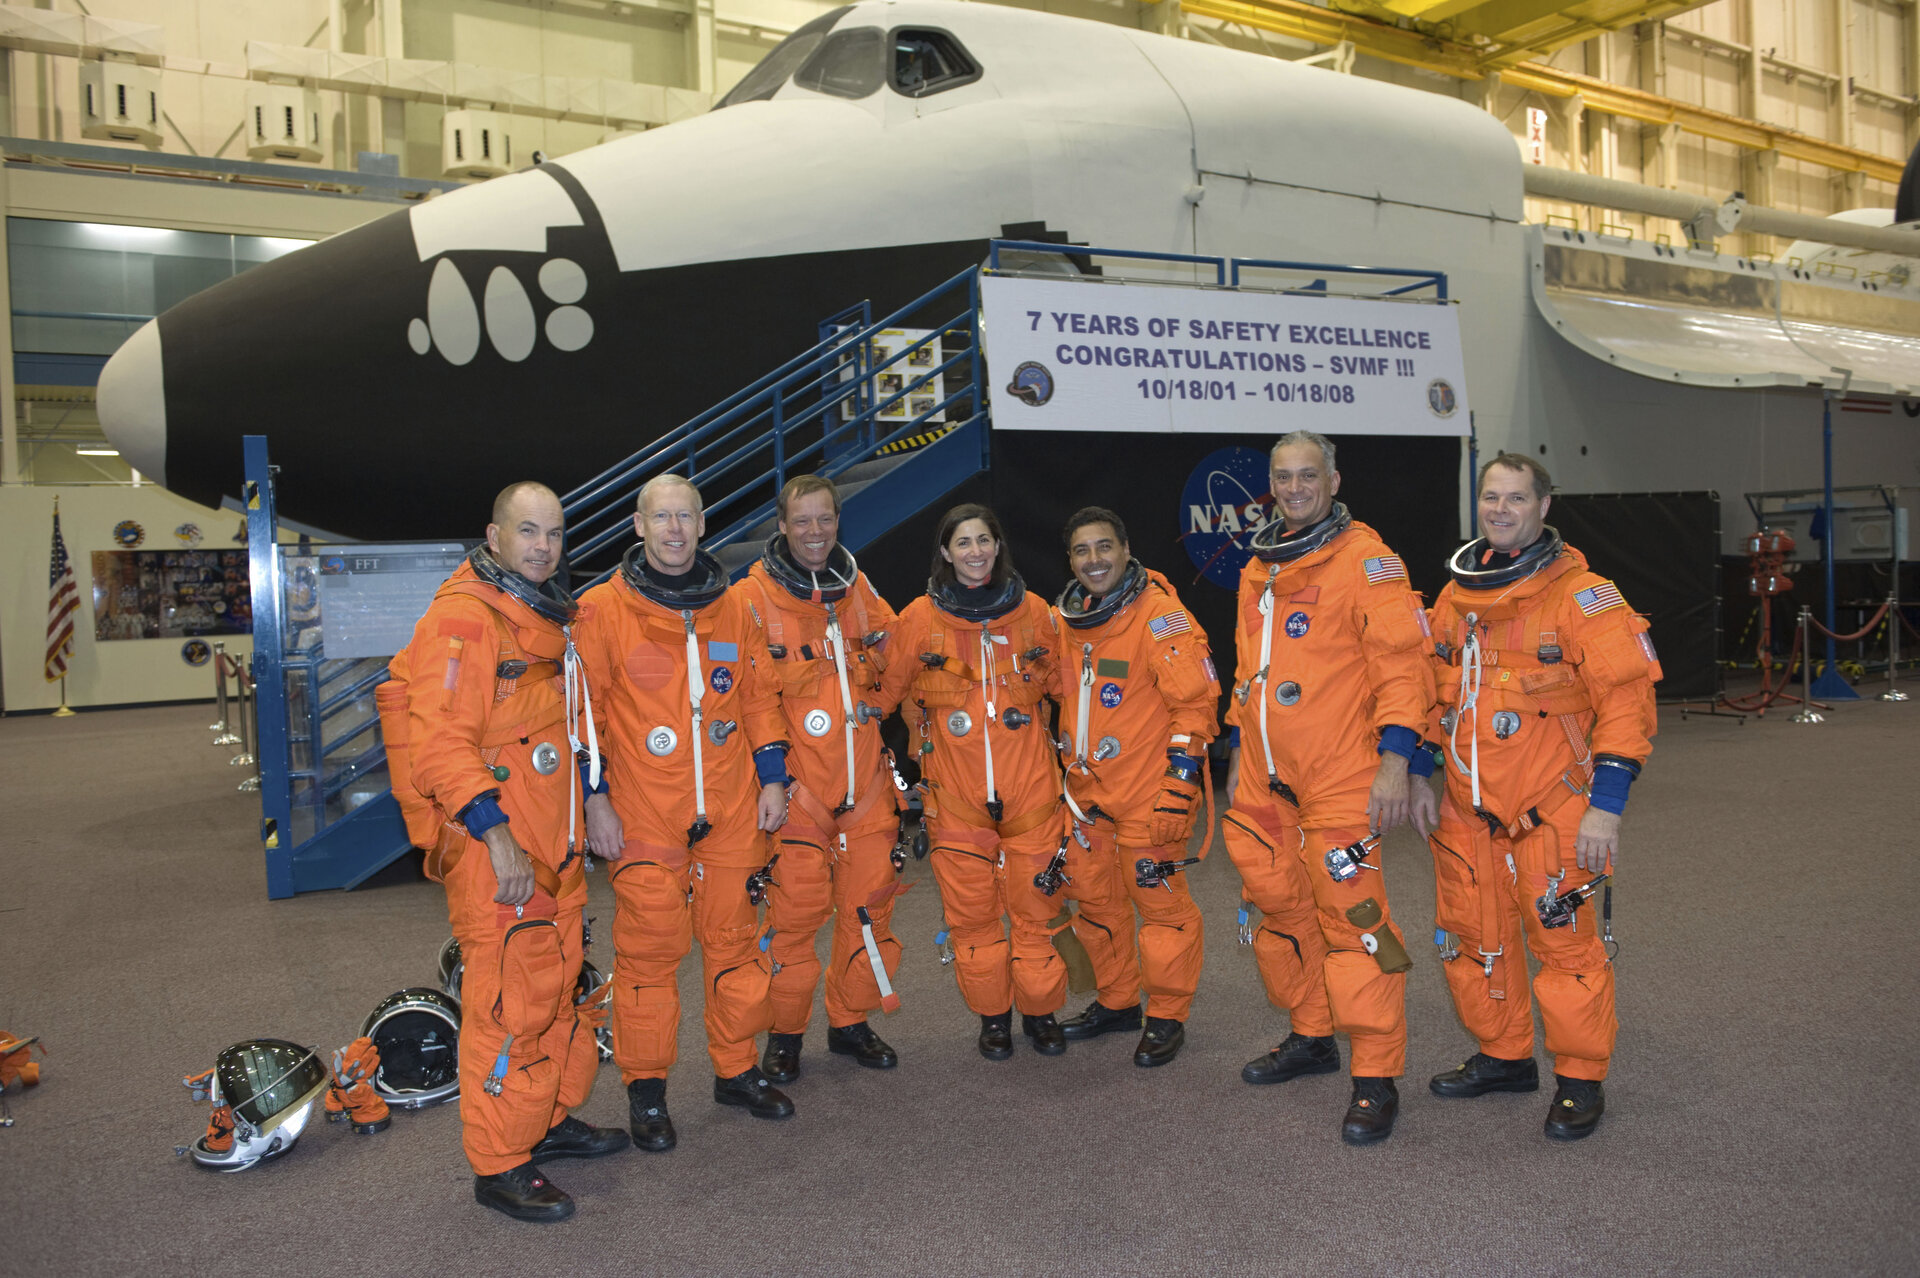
x: 1385, y: 568
x: 1165, y: 628
x: 1597, y: 599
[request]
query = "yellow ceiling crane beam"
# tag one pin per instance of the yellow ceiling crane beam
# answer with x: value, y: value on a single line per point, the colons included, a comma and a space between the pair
x: 1380, y: 39
x: 1651, y: 108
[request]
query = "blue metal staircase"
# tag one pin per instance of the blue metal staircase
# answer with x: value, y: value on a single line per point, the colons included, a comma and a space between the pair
x: 914, y: 414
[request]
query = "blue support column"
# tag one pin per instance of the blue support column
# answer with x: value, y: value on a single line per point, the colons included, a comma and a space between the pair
x: 1831, y: 685
x: 269, y: 677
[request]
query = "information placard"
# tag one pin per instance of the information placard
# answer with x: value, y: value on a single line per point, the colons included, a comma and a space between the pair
x: 1081, y: 355
x: 365, y: 600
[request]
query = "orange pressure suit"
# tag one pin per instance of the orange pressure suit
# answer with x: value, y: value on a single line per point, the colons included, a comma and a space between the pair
x: 1143, y: 684
x: 486, y: 720
x: 836, y: 848
x: 668, y: 668
x: 1331, y: 647
x: 977, y: 675
x: 1539, y: 679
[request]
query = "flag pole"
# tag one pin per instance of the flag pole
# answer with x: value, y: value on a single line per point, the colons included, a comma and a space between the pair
x: 65, y: 711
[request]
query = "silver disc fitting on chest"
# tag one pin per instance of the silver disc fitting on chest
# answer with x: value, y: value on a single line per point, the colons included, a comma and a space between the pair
x: 546, y: 758
x: 1109, y: 748
x: 1286, y: 692
x: 1505, y: 724
x: 1448, y: 718
x: 720, y: 729
x: 959, y: 723
x: 818, y: 722
x: 662, y: 741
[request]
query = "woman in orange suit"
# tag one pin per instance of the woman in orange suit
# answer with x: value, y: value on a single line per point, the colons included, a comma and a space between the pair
x: 972, y: 659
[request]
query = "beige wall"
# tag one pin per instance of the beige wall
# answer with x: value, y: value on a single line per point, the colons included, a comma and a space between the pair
x: 111, y: 673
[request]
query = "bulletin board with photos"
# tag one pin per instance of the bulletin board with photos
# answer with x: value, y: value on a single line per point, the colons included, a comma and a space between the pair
x: 170, y: 594
x: 886, y: 345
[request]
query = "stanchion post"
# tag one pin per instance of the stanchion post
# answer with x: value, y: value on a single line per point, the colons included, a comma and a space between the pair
x: 1807, y: 714
x: 219, y: 664
x: 228, y: 666
x: 246, y: 722
x: 252, y: 780
x: 1893, y: 692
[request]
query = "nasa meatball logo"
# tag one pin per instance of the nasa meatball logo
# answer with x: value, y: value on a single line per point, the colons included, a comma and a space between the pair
x: 721, y: 679
x: 1032, y: 384
x: 1109, y: 695
x: 1224, y: 503
x: 1440, y: 397
x: 1296, y: 625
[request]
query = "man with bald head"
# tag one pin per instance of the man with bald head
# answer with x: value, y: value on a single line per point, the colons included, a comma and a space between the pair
x: 690, y: 707
x: 487, y: 778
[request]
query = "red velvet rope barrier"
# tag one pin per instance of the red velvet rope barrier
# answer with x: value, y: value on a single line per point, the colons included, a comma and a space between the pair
x: 1861, y: 633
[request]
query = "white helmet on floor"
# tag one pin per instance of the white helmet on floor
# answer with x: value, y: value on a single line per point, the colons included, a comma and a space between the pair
x: 452, y: 966
x: 417, y: 1033
x: 272, y: 1086
x: 591, y: 988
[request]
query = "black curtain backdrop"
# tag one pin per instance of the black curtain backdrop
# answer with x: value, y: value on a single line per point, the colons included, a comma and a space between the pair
x: 1663, y: 550
x: 1406, y: 488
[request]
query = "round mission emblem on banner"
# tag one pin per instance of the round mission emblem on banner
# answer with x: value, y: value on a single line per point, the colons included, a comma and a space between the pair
x: 1224, y: 503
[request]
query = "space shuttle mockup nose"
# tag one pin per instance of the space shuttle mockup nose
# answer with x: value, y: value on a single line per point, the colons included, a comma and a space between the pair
x: 132, y: 401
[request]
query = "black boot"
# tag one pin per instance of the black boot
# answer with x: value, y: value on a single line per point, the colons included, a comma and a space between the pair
x: 996, y: 1036
x: 1577, y: 1106
x: 1369, y: 1117
x: 1100, y: 1019
x: 571, y: 1138
x: 860, y: 1042
x: 1044, y: 1033
x: 750, y: 1090
x: 1297, y: 1055
x: 647, y: 1115
x: 523, y: 1193
x: 781, y: 1061
x: 1480, y: 1074
x: 1161, y: 1042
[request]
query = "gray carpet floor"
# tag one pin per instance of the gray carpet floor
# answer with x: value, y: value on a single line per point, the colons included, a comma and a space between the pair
x: 1762, y: 1109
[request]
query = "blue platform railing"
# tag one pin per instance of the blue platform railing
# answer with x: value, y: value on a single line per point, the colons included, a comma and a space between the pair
x: 824, y: 411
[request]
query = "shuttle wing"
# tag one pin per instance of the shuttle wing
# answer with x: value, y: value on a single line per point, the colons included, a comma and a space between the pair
x: 1710, y: 319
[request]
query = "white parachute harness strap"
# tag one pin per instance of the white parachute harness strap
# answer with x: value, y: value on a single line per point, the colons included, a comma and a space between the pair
x: 1084, y: 710
x: 696, y: 688
x: 889, y: 1001
x: 1469, y: 701
x: 837, y: 644
x: 579, y: 704
x: 1266, y: 663
x: 986, y: 724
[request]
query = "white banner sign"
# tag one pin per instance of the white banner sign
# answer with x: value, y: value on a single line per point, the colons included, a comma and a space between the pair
x: 1072, y: 355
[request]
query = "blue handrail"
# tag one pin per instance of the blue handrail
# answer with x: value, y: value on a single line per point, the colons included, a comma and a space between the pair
x: 1219, y: 264
x: 793, y: 417
x: 1436, y: 280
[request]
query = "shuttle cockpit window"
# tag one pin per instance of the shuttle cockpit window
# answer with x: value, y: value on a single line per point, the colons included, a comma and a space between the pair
x: 848, y: 65
x: 929, y: 61
x: 777, y: 67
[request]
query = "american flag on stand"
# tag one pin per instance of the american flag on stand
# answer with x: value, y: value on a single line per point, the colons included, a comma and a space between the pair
x: 63, y: 600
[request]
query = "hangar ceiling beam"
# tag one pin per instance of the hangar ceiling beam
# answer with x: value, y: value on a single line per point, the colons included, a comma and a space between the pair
x: 1451, y: 57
